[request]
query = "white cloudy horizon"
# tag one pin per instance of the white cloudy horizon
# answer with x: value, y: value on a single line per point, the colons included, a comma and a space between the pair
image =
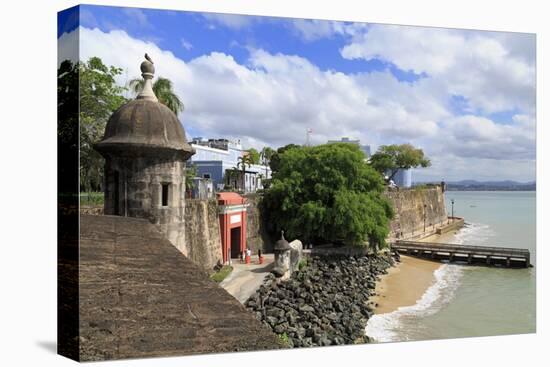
x: 472, y: 110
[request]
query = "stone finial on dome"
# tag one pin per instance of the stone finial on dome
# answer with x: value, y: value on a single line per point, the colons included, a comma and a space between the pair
x: 147, y: 72
x: 282, y: 244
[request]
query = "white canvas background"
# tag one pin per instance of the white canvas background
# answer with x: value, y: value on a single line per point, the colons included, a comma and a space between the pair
x: 28, y: 57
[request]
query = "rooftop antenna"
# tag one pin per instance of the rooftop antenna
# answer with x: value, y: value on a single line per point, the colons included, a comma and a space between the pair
x: 308, y: 136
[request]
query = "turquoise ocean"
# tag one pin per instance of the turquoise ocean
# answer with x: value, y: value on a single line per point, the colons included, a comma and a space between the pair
x: 467, y: 301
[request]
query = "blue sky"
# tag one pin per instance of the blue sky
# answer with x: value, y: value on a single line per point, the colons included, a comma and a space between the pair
x: 460, y: 95
x: 190, y: 34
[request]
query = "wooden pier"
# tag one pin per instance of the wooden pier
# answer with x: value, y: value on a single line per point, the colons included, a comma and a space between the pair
x: 509, y: 257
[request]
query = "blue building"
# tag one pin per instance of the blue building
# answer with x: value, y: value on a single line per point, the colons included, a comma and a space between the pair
x: 403, y: 178
x: 217, y: 159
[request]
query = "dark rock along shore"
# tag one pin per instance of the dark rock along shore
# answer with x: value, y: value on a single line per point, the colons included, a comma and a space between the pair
x: 325, y: 303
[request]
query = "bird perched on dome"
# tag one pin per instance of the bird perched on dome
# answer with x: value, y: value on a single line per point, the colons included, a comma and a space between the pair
x: 148, y: 58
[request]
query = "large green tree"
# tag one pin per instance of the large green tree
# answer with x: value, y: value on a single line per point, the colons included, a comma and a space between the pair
x: 163, y: 89
x: 391, y: 158
x: 275, y: 159
x: 327, y: 193
x: 100, y: 96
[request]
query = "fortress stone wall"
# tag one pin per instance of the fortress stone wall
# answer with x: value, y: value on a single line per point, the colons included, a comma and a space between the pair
x: 411, y: 206
x: 203, y: 237
x: 138, y: 296
x: 256, y: 236
x: 202, y: 232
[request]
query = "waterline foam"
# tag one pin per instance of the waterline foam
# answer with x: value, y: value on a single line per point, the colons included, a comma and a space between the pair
x: 389, y: 327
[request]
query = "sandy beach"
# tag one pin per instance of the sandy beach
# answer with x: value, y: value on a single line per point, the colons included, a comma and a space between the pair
x: 406, y: 282
x: 442, y: 238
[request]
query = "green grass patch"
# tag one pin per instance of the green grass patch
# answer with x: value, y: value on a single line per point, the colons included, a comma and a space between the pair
x: 284, y: 338
x: 303, y: 263
x: 91, y: 198
x: 221, y: 274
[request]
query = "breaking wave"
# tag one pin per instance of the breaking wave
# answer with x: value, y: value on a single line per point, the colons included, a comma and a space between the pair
x: 386, y: 327
x: 475, y: 234
x: 389, y: 327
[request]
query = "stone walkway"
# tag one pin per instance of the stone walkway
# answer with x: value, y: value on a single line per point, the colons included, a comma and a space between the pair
x: 245, y: 279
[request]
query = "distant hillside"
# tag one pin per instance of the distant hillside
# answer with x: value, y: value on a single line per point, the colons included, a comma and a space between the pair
x: 473, y: 185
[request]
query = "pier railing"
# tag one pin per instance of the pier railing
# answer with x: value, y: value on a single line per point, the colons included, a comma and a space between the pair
x: 471, y: 254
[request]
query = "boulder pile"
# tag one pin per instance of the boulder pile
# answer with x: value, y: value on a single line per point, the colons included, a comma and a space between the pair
x: 324, y: 303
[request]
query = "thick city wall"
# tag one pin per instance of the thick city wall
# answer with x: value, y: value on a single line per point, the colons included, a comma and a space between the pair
x: 418, y: 212
x: 256, y: 236
x: 202, y: 226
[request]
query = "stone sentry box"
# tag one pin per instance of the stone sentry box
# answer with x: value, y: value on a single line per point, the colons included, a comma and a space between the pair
x: 287, y: 257
x: 145, y: 150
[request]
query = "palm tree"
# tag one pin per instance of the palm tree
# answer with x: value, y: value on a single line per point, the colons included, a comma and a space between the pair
x: 230, y: 174
x: 164, y: 91
x: 266, y: 155
x: 244, y: 161
x: 190, y: 173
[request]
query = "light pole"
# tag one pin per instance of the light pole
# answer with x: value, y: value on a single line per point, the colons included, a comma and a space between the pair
x: 453, y: 209
x: 425, y: 205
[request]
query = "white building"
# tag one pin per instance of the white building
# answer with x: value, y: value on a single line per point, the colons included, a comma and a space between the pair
x: 217, y: 159
x: 364, y: 148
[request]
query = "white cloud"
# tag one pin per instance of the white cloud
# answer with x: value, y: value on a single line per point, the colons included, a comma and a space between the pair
x: 138, y: 16
x: 88, y: 18
x: 233, y: 21
x: 314, y: 29
x: 186, y: 44
x: 68, y: 47
x: 473, y: 136
x: 311, y: 30
x: 224, y: 97
x: 494, y: 71
x: 275, y: 97
x: 449, y: 167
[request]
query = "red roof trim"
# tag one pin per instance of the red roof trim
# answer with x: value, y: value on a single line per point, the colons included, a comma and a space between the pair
x: 228, y: 198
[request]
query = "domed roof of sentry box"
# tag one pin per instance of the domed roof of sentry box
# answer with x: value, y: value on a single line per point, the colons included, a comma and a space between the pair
x: 282, y: 244
x: 145, y: 124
